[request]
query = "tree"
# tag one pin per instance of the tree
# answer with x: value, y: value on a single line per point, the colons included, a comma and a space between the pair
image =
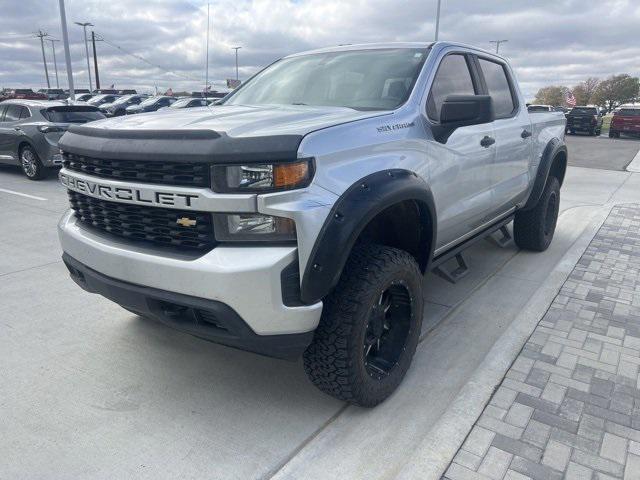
x: 581, y: 95
x: 552, y: 95
x: 616, y: 90
x: 584, y: 91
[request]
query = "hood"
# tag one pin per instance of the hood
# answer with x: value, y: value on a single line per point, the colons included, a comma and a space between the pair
x: 224, y: 134
x: 240, y: 121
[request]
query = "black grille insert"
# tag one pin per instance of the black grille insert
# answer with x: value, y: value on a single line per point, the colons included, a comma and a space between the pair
x: 150, y: 225
x: 162, y: 173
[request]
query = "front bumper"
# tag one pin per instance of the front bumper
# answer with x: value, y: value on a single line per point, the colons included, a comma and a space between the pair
x: 207, y: 319
x: 245, y: 278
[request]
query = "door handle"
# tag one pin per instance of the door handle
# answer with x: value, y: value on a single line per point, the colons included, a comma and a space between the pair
x: 525, y: 134
x: 486, y: 142
x: 18, y: 129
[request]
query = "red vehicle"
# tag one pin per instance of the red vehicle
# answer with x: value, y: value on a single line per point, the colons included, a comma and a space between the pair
x: 625, y: 120
x: 21, y: 94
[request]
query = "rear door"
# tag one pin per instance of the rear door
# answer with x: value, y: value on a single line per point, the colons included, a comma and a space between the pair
x: 460, y: 178
x: 9, y: 132
x: 513, y: 133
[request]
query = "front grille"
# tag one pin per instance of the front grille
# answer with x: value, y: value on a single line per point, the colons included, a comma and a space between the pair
x: 149, y: 225
x: 163, y: 173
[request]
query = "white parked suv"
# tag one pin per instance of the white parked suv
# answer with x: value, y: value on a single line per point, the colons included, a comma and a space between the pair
x: 300, y: 216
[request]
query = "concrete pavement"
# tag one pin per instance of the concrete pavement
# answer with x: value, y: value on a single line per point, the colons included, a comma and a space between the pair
x: 93, y: 391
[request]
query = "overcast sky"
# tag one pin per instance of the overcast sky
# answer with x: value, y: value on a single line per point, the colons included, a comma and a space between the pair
x: 550, y: 41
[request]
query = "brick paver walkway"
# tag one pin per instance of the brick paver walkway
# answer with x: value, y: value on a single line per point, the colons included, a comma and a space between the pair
x: 569, y: 407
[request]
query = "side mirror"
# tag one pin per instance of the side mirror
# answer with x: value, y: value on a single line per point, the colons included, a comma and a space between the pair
x: 461, y: 111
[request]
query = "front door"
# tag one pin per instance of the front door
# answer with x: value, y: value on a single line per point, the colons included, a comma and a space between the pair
x: 460, y: 179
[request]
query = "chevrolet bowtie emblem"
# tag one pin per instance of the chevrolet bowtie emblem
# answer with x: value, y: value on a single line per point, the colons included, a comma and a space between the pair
x: 186, y: 222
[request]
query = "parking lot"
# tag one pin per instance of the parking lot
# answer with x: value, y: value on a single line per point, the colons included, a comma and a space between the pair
x: 601, y: 152
x: 91, y: 390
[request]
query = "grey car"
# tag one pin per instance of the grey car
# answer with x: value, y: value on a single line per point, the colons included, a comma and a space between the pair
x: 188, y: 102
x: 30, y: 130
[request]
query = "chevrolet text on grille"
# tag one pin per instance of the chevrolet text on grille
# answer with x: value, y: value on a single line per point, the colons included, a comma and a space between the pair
x: 126, y: 194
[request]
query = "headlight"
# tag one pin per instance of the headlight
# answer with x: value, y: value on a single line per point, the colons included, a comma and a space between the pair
x: 253, y: 227
x: 261, y: 178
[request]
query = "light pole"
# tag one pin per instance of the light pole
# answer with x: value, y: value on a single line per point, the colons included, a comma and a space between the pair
x: 438, y: 20
x: 67, y: 54
x: 498, y: 42
x: 236, y: 49
x: 41, y: 36
x: 86, y: 48
x: 55, y: 61
x: 206, y: 77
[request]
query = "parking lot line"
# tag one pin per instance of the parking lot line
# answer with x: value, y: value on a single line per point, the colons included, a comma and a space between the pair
x: 23, y: 194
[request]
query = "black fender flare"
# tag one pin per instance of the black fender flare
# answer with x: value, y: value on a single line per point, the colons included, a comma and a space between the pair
x: 550, y: 153
x: 351, y: 213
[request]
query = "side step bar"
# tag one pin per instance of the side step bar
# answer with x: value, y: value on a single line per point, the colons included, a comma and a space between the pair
x: 462, y: 269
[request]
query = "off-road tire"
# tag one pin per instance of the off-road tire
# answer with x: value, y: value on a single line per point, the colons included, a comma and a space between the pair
x: 31, y: 165
x: 335, y: 360
x: 533, y: 229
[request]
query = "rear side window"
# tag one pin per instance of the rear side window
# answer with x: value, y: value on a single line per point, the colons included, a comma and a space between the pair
x: 452, y: 78
x: 13, y: 113
x: 72, y: 114
x: 495, y: 77
x: 24, y: 113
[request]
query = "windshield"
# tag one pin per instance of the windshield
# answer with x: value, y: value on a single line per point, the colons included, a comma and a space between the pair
x: 181, y: 103
x: 122, y: 100
x: 97, y: 99
x: 150, y: 101
x: 379, y: 79
x: 584, y: 110
x: 72, y: 114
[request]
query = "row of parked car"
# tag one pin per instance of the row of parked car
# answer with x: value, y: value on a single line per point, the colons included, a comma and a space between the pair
x: 589, y: 119
x: 30, y: 128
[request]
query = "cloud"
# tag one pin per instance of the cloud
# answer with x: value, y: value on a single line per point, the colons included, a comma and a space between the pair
x: 550, y: 41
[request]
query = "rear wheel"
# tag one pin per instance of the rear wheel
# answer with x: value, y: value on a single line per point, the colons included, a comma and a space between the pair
x: 533, y: 229
x: 370, y: 327
x: 30, y: 163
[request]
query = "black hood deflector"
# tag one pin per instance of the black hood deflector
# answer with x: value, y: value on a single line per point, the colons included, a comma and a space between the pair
x: 199, y: 146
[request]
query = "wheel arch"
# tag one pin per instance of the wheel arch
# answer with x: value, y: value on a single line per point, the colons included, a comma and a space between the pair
x: 24, y: 143
x: 392, y: 207
x: 553, y: 163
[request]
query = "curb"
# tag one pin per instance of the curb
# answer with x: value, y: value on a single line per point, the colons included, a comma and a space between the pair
x: 433, y: 455
x: 634, y: 166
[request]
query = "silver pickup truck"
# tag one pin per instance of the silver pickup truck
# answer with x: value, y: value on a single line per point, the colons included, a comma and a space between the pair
x: 300, y: 215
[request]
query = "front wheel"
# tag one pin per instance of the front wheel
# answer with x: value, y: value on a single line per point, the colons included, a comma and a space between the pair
x: 533, y: 229
x: 370, y: 327
x: 30, y: 163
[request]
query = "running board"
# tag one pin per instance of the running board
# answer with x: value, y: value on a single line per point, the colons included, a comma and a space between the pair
x: 504, y: 240
x: 454, y: 275
x: 456, y: 252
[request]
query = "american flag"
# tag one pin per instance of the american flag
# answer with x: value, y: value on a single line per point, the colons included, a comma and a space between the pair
x: 571, y: 100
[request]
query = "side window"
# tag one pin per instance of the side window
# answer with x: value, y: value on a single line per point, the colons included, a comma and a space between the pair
x: 495, y: 77
x: 25, y: 113
x: 13, y: 113
x: 452, y: 78
x: 3, y: 108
